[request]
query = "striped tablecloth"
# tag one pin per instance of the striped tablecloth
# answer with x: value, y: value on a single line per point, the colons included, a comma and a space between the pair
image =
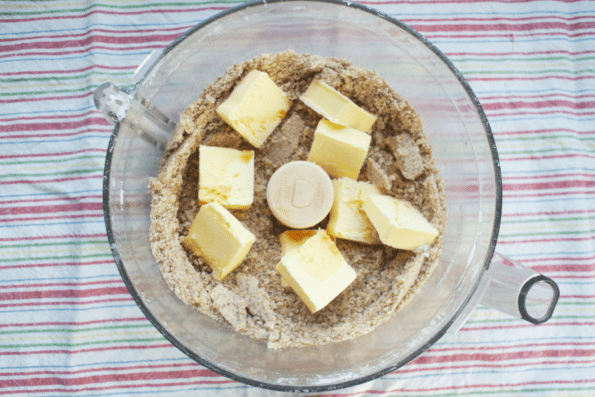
x: 68, y: 325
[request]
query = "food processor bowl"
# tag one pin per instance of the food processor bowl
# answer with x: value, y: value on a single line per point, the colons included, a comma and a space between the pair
x: 463, y: 147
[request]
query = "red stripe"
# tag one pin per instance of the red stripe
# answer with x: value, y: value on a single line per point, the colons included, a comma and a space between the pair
x: 51, y: 218
x: 82, y: 51
x: 52, y: 98
x: 116, y: 377
x: 61, y: 236
x: 33, y: 265
x: 66, y: 303
x: 68, y: 71
x: 56, y: 127
x: 86, y: 15
x: 549, y: 213
x: 538, y: 104
x: 546, y: 240
x: 25, y: 155
x: 523, y: 324
x: 205, y: 372
x: 508, y: 346
x: 68, y: 293
x: 4, y: 287
x: 96, y: 32
x: 521, y: 53
x: 44, y: 209
x: 88, y: 42
x: 72, y: 198
x: 551, y: 176
x: 549, y: 185
x: 76, y: 351
x: 545, y: 131
x: 61, y: 117
x: 508, y: 28
x: 546, y: 157
x: 78, y: 178
x: 154, y: 385
x: 71, y: 323
x: 527, y: 78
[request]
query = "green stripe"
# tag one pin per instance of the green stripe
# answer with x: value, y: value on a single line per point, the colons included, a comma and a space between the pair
x: 551, y: 220
x: 573, y: 72
x: 74, y: 330
x: 79, y: 344
x: 536, y: 59
x: 107, y: 255
x: 69, y: 77
x: 547, y: 151
x: 122, y: 7
x: 543, y: 137
x: 585, y: 232
x: 53, y: 244
x: 64, y: 91
x: 43, y: 161
x: 73, y: 172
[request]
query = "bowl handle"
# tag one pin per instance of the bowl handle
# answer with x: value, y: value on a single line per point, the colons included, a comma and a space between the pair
x: 514, y: 289
x: 123, y: 106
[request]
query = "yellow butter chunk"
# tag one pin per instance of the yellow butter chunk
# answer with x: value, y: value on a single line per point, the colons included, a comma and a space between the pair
x: 336, y: 107
x: 348, y: 220
x: 398, y: 223
x: 291, y: 240
x: 339, y: 150
x: 219, y: 238
x: 255, y: 107
x: 226, y: 176
x: 316, y: 271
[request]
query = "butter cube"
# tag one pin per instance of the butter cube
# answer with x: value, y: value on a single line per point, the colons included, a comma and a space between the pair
x: 226, y: 176
x: 398, y: 223
x: 316, y: 271
x: 255, y: 107
x: 348, y: 220
x: 219, y: 238
x: 291, y: 240
x: 336, y: 107
x: 340, y: 151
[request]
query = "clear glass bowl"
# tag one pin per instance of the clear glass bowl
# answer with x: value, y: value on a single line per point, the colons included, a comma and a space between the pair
x: 453, y: 121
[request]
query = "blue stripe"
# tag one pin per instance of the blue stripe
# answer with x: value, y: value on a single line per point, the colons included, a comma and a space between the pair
x: 112, y: 25
x: 65, y: 194
x: 537, y: 200
x: 554, y: 90
x: 72, y: 309
x: 106, y: 136
x: 48, y: 111
x: 128, y: 54
x: 546, y: 171
x: 97, y: 363
x: 53, y: 224
x: 116, y: 275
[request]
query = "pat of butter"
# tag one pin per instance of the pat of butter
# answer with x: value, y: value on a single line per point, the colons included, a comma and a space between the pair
x: 219, y: 238
x: 316, y: 271
x: 398, y: 223
x: 348, y: 220
x: 226, y: 176
x: 340, y: 151
x: 292, y: 240
x: 336, y: 107
x: 255, y: 107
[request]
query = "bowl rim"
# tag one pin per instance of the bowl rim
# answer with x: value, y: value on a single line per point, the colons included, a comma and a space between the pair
x: 340, y: 385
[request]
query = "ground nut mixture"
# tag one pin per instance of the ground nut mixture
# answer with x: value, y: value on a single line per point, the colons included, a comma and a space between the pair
x: 251, y: 299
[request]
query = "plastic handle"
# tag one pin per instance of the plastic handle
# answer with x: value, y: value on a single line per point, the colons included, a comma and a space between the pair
x: 121, y: 106
x: 513, y: 289
x: 520, y: 291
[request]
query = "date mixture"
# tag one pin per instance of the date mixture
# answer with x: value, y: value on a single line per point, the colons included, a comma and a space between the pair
x: 251, y: 299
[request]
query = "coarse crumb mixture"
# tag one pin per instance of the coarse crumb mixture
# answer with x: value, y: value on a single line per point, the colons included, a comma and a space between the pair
x: 251, y: 299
